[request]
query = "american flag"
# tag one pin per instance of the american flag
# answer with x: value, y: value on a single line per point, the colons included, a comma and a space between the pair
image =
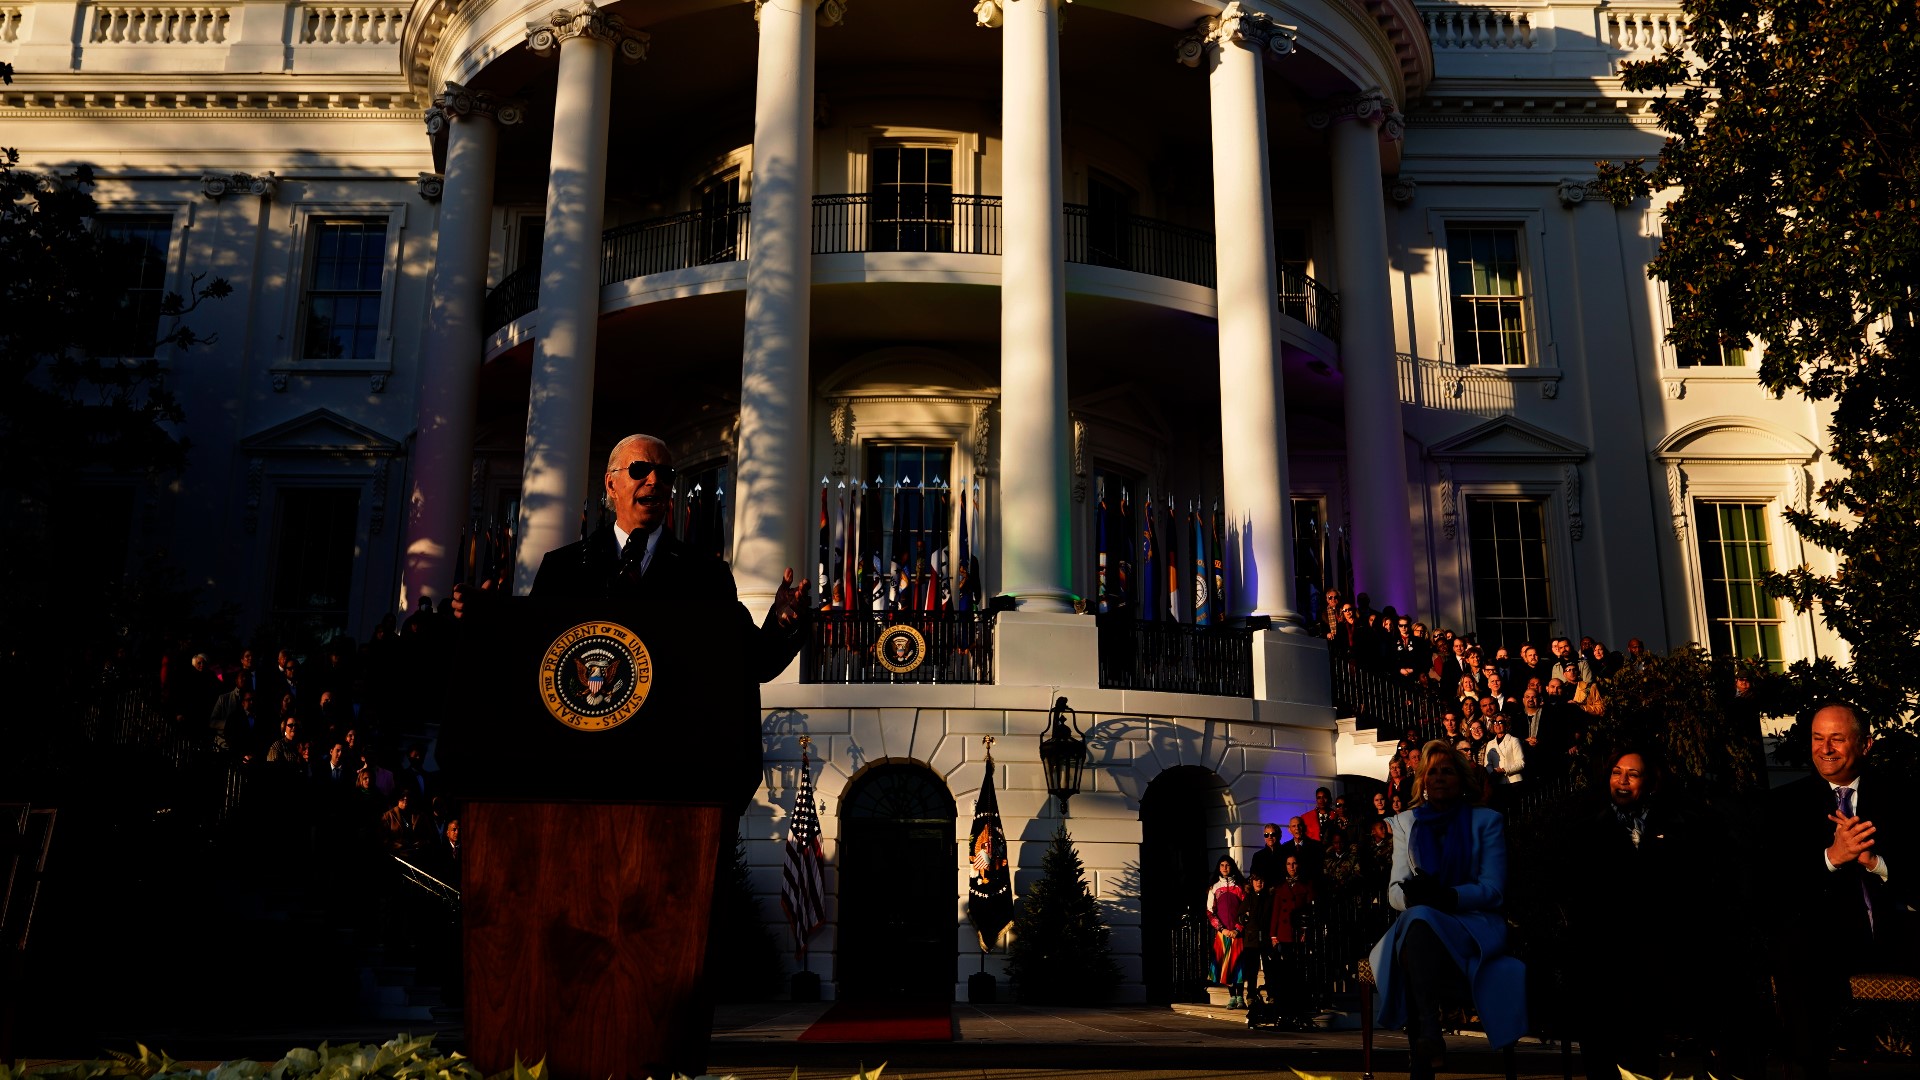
x: 801, y: 892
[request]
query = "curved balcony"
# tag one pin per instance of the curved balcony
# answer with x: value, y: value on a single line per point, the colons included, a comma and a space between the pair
x: 956, y: 224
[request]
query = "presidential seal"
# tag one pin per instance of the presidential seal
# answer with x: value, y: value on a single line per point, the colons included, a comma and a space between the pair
x: 595, y: 676
x: 900, y: 649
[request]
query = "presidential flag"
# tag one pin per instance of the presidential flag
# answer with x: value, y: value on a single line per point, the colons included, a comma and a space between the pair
x: 1202, y: 608
x: 989, y: 885
x: 802, y: 894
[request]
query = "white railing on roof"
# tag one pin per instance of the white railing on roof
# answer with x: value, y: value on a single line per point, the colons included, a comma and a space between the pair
x: 1644, y: 34
x: 157, y: 24
x: 351, y: 24
x: 1479, y: 28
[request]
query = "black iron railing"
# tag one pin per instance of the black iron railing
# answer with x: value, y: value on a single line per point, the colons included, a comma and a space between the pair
x: 956, y: 224
x: 695, y: 238
x: 949, y: 223
x: 1391, y: 706
x: 1307, y: 300
x: 956, y: 647
x: 1177, y: 658
x: 517, y: 294
x: 1143, y: 245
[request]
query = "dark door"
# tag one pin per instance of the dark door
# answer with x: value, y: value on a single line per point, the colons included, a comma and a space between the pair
x: 899, y: 887
x: 1176, y: 866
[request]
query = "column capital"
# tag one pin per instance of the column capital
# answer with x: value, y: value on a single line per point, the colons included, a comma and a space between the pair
x: 587, y: 20
x: 1371, y: 107
x: 991, y: 13
x: 825, y: 13
x: 458, y: 101
x: 1253, y: 29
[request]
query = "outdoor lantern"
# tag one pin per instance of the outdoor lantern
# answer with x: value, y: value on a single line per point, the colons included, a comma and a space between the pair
x: 1064, y: 754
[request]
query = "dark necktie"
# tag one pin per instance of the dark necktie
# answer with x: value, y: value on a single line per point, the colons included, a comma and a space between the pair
x: 1845, y: 797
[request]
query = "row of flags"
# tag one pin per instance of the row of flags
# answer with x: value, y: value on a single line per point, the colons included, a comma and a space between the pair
x: 898, y: 547
x: 1164, y: 589
x: 989, y: 881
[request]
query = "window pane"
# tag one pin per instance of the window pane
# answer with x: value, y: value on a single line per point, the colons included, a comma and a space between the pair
x: 1511, y: 592
x: 1734, y: 557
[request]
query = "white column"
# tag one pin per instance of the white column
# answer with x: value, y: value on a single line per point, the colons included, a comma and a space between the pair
x: 555, y: 481
x: 1035, y: 562
x: 770, y: 472
x: 1253, y: 413
x: 1376, y: 445
x: 450, y: 346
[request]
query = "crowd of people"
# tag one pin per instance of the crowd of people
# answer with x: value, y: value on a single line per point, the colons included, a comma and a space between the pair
x: 332, y: 751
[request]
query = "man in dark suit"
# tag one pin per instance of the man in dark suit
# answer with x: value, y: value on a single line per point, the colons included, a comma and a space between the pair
x: 1307, y: 850
x: 1844, y: 874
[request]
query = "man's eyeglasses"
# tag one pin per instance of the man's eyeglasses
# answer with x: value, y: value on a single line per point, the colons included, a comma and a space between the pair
x: 1271, y: 836
x: 640, y: 470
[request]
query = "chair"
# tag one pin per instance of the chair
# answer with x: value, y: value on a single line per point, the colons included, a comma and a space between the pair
x: 1364, y: 972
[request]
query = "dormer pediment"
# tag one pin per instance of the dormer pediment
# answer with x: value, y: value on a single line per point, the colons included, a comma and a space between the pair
x: 1505, y: 438
x: 321, y: 431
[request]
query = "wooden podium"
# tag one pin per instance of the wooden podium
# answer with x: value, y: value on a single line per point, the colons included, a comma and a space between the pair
x: 589, y: 745
x: 586, y: 929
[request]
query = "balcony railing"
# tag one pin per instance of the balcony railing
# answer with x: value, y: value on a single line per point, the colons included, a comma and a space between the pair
x: 696, y: 238
x: 956, y: 224
x: 1390, y: 706
x: 950, y: 224
x: 844, y: 647
x: 1143, y: 245
x: 1178, y: 658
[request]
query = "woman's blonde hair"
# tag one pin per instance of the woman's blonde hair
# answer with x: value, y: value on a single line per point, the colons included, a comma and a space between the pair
x: 1439, y: 748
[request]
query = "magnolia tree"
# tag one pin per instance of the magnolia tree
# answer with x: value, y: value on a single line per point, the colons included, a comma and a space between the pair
x: 1796, y: 227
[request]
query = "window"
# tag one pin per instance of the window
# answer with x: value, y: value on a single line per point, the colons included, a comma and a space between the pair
x: 904, y: 517
x: 313, y: 561
x: 911, y: 188
x: 720, y: 222
x: 135, y: 246
x: 700, y: 519
x: 1117, y: 529
x: 1511, y: 598
x: 530, y: 242
x: 1742, y: 620
x: 1109, y: 207
x: 343, y: 290
x: 1489, y: 321
x: 1718, y: 356
x: 1320, y: 562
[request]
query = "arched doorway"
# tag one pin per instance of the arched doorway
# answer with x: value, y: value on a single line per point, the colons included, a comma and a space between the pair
x: 1184, y: 829
x: 899, y: 898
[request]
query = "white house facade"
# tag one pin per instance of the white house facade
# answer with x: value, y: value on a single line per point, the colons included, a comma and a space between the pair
x: 997, y: 286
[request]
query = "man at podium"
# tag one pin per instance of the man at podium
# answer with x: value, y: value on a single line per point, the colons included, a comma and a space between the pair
x: 604, y: 719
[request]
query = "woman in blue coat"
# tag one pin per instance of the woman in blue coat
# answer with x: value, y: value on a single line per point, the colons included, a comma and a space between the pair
x: 1448, y: 881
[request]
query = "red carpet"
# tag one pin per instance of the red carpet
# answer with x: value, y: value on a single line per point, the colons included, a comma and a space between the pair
x: 882, y: 1021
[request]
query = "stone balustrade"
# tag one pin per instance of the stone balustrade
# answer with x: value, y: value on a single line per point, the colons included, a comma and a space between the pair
x: 157, y: 24
x: 352, y: 24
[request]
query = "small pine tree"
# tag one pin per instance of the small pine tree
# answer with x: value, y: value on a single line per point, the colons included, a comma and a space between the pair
x: 1061, y: 952
x: 745, y: 952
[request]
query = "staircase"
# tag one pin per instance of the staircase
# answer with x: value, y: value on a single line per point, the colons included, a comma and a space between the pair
x: 1359, y: 751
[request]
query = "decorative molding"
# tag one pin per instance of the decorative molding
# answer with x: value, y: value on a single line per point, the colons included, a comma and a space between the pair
x: 217, y: 186
x: 1574, y: 192
x: 215, y: 106
x: 1677, y: 499
x: 1570, y: 478
x: 988, y: 13
x: 1079, y: 461
x: 1250, y: 28
x: 826, y: 13
x: 377, y: 511
x: 1449, y: 505
x: 1676, y: 388
x: 982, y: 427
x: 587, y: 20
x: 432, y: 186
x: 256, y: 483
x: 1403, y: 189
x: 1549, y: 389
x: 1372, y: 107
x: 377, y: 382
x: 840, y: 423
x: 279, y: 381
x: 459, y: 101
